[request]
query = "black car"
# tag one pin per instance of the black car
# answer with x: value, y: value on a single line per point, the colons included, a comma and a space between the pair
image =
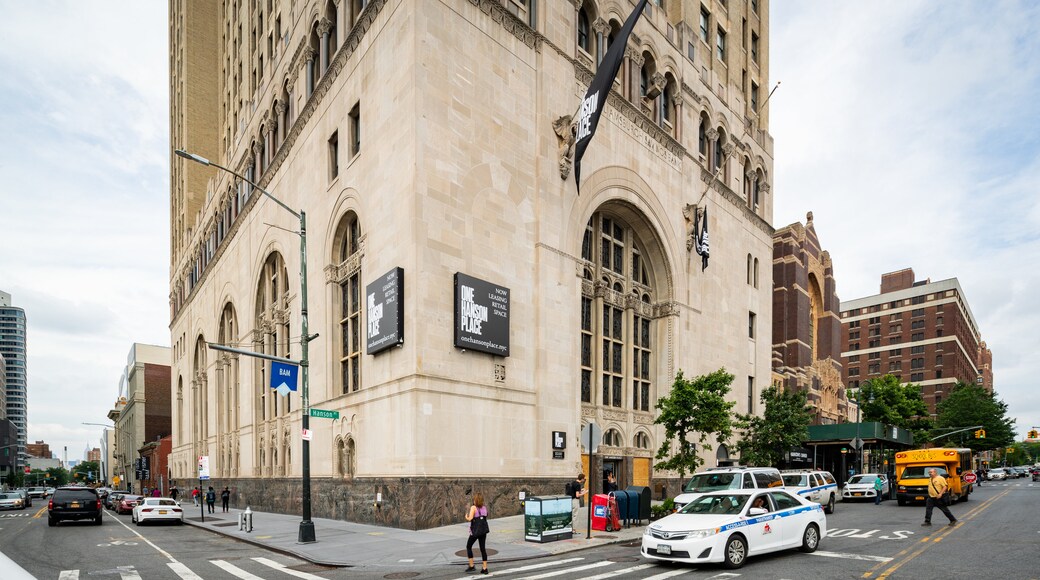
x: 74, y: 503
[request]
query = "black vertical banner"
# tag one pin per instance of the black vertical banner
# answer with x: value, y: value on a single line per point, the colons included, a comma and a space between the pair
x: 596, y: 96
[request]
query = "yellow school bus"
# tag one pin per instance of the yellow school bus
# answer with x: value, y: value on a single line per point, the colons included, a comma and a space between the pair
x: 912, y: 473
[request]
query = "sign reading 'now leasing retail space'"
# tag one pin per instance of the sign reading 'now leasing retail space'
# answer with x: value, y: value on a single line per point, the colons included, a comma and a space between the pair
x: 384, y: 304
x: 481, y: 315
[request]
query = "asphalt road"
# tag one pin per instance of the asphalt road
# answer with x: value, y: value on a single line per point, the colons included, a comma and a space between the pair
x: 998, y: 535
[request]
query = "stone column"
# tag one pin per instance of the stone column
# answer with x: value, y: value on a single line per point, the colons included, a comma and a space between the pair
x: 324, y: 26
x: 602, y: 28
x: 279, y: 111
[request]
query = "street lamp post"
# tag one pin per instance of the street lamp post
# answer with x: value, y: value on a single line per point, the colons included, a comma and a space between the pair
x: 306, y: 532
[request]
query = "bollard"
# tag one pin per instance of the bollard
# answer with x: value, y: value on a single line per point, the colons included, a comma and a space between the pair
x: 245, y: 520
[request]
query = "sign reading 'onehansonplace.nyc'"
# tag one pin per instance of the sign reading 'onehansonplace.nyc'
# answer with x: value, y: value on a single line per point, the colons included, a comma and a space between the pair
x: 384, y: 303
x: 481, y: 315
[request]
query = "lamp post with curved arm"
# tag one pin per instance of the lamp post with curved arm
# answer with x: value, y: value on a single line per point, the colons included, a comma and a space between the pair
x: 306, y: 531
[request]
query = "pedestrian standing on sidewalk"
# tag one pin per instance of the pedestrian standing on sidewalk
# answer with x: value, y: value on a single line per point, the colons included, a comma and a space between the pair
x: 478, y: 531
x: 195, y: 495
x: 938, y: 491
x: 211, y: 499
x: 576, y: 489
x: 173, y: 492
x: 877, y: 490
x: 225, y: 497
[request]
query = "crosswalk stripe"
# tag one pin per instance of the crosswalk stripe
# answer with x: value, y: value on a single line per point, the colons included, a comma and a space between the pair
x: 282, y: 568
x: 621, y: 572
x: 568, y: 570
x: 69, y: 575
x: 183, y: 571
x: 234, y: 570
x: 667, y: 574
x: 851, y: 556
x: 530, y: 567
x: 129, y: 573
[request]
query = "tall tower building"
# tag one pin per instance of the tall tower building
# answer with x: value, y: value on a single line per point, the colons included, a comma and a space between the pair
x: 12, y: 348
x: 922, y: 332
x: 473, y: 311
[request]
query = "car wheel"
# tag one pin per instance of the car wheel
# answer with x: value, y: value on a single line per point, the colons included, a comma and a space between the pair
x: 830, y: 506
x: 735, y: 551
x: 810, y: 539
x: 900, y: 501
x: 52, y: 522
x: 98, y: 521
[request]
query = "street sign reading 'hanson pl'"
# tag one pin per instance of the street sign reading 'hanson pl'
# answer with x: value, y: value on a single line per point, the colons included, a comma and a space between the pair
x: 323, y: 414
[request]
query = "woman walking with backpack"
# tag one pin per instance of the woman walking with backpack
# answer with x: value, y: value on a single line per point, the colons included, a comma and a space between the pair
x: 478, y: 531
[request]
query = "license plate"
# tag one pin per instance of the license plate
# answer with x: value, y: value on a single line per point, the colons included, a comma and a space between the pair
x: 664, y: 549
x: 74, y: 504
x: 919, y: 498
x: 857, y: 493
x: 162, y: 512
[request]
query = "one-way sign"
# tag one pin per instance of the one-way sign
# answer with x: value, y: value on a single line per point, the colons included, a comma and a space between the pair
x: 283, y: 377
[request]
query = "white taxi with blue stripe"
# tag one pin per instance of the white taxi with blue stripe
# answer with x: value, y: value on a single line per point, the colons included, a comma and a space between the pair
x: 730, y: 526
x: 813, y: 485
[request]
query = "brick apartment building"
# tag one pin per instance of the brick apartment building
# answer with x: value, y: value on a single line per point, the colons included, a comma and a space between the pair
x: 922, y: 332
x: 38, y: 449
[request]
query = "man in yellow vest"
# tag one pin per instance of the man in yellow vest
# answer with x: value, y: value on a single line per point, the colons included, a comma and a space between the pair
x: 937, y: 489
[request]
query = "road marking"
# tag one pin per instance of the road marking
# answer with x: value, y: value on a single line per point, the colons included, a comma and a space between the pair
x: 234, y: 570
x: 664, y: 575
x: 69, y: 575
x: 282, y: 568
x: 38, y: 514
x: 531, y: 567
x: 183, y: 571
x: 851, y: 556
x: 614, y: 573
x: 569, y: 570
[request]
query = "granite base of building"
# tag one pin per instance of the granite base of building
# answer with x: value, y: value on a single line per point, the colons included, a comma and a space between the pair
x: 407, y: 503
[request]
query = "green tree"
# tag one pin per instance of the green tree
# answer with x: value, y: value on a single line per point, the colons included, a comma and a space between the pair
x: 968, y: 405
x: 784, y: 424
x: 886, y: 400
x: 693, y: 406
x: 85, y: 472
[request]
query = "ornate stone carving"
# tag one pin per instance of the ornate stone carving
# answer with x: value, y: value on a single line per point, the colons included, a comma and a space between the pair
x: 642, y: 419
x: 510, y: 22
x: 663, y: 309
x: 565, y: 128
x: 324, y: 26
x: 764, y: 187
x: 619, y: 416
x: 712, y: 134
x: 690, y: 214
x: 601, y: 26
x: 728, y: 149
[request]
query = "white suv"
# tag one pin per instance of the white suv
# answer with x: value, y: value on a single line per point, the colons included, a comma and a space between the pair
x: 817, y: 486
x: 722, y: 478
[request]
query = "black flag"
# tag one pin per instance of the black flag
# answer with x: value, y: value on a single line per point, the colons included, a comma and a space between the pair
x: 596, y: 96
x: 702, y: 241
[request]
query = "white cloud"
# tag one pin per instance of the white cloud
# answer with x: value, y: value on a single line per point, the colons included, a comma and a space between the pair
x: 907, y: 128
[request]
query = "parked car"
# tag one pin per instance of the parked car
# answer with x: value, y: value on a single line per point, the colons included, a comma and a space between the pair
x: 74, y: 503
x: 997, y: 473
x: 817, y: 486
x: 127, y: 503
x: 154, y: 509
x: 112, y: 501
x: 732, y: 478
x: 727, y: 526
x: 11, y: 501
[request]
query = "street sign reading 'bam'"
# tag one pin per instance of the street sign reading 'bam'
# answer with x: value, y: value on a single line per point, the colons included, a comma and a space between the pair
x: 283, y: 377
x: 323, y: 414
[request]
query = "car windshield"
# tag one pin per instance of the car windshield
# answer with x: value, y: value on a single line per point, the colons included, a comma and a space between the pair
x: 716, y: 504
x: 705, y: 482
x: 865, y: 478
x: 131, y: 497
x: 10, y: 496
x: 796, y: 479
x: 921, y: 472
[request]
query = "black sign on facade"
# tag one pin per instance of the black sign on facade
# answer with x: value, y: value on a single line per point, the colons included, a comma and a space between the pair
x: 384, y: 300
x: 559, y: 440
x: 481, y: 315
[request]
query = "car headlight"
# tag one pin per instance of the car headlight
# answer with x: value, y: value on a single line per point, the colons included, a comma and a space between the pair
x: 700, y: 534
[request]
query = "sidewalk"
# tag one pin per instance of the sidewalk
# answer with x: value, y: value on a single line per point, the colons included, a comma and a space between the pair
x: 342, y: 543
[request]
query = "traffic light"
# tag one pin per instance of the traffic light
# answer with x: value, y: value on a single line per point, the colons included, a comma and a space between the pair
x: 1010, y: 449
x: 1033, y: 434
x: 980, y: 434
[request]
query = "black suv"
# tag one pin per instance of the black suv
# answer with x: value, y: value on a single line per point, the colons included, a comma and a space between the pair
x: 74, y: 503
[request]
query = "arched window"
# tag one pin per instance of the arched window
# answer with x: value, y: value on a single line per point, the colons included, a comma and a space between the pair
x: 346, y: 464
x: 756, y: 272
x: 717, y: 151
x: 347, y: 256
x: 272, y: 334
x: 641, y: 441
x: 616, y: 335
x: 356, y: 8
x: 612, y: 438
x: 584, y: 31
x: 702, y: 135
x: 815, y: 310
x: 749, y: 271
x: 333, y: 16
x: 227, y: 378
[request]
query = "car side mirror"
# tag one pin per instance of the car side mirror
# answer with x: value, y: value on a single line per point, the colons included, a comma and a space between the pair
x: 757, y: 511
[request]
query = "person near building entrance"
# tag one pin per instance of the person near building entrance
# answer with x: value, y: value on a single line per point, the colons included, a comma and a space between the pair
x: 576, y: 489
x: 211, y: 499
x: 938, y: 494
x: 225, y: 497
x: 611, y: 483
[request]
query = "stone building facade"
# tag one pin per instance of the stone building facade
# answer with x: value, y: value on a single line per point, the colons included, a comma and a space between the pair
x: 922, y: 332
x: 807, y: 321
x: 427, y: 144
x: 142, y: 412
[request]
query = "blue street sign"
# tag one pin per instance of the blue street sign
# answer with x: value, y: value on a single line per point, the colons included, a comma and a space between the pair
x: 283, y: 377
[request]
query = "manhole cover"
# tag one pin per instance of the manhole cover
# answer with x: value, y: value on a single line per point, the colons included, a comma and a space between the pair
x: 401, y: 575
x: 620, y: 559
x: 462, y: 553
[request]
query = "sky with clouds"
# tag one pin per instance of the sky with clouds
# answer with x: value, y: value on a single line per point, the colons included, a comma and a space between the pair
x: 908, y: 128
